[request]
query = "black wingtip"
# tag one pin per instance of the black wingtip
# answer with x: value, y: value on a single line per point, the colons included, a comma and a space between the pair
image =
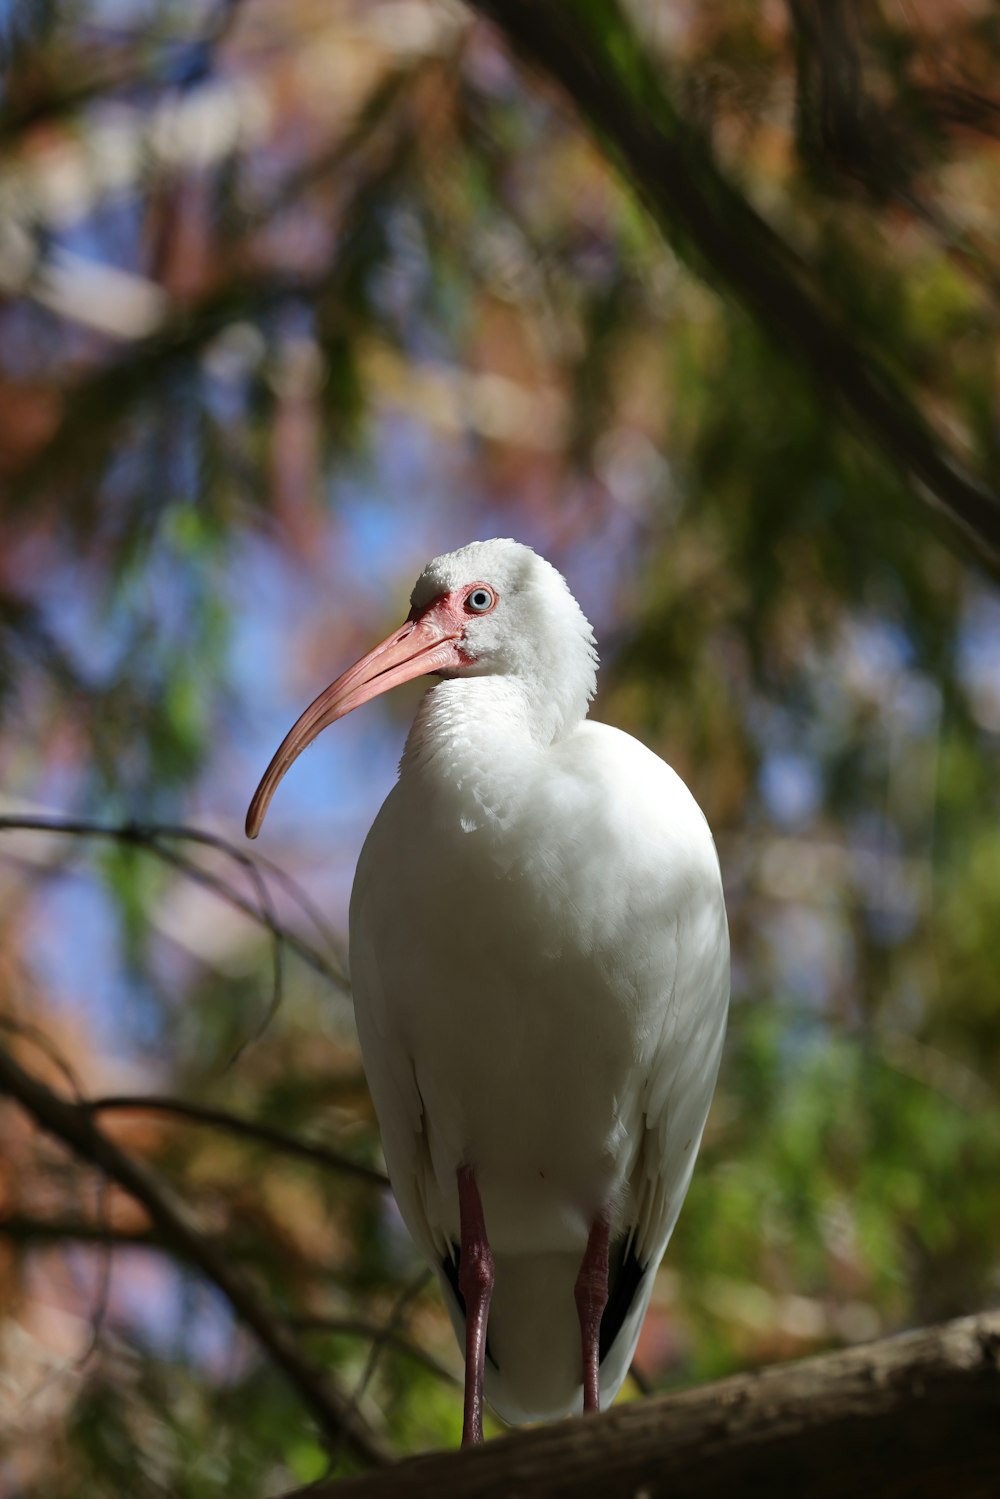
x: 625, y: 1275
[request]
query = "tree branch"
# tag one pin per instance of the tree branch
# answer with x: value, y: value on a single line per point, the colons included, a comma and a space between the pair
x: 30, y: 1232
x: 235, y: 1124
x: 912, y: 1416
x: 594, y: 56
x: 379, y: 1333
x: 155, y: 839
x: 73, y: 1125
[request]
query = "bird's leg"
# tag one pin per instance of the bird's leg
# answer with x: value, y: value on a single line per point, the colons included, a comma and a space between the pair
x: 591, y: 1299
x: 475, y: 1281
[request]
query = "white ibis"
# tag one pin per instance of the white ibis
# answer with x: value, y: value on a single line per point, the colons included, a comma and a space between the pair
x: 540, y: 962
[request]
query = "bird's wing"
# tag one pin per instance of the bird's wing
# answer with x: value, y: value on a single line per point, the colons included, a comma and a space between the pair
x: 674, y: 940
x: 670, y: 1120
x: 681, y: 1079
x: 387, y: 1060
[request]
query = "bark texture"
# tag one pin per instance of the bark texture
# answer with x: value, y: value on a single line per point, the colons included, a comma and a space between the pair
x: 916, y: 1415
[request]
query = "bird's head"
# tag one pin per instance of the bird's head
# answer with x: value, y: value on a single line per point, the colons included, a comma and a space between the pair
x: 493, y: 608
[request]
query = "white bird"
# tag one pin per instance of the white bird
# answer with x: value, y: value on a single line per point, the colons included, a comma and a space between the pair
x: 540, y: 963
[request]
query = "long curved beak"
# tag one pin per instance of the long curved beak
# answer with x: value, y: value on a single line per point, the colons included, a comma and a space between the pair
x: 421, y: 645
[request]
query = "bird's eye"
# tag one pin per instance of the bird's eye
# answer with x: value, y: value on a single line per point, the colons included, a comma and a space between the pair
x: 480, y: 599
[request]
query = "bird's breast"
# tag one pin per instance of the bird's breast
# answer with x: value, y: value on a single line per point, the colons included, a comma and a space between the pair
x: 527, y: 978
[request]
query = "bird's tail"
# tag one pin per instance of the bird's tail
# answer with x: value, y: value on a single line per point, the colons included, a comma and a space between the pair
x: 535, y: 1372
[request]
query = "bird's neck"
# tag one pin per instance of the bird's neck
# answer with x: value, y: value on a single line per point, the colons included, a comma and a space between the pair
x: 479, y: 739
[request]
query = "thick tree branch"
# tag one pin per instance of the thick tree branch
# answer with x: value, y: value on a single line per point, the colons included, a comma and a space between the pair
x: 912, y: 1416
x: 592, y: 53
x: 73, y: 1125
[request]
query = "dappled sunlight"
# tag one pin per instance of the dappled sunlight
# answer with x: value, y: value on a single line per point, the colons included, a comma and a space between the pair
x: 293, y: 298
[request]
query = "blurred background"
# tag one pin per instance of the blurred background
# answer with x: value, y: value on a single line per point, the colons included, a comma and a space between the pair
x: 295, y: 296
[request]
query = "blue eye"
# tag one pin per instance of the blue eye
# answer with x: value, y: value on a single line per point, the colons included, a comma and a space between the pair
x: 480, y: 599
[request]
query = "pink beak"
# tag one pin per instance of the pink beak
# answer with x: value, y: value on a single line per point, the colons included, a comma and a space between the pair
x: 424, y: 644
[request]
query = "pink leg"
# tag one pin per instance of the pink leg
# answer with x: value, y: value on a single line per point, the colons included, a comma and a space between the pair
x: 475, y: 1281
x: 591, y: 1299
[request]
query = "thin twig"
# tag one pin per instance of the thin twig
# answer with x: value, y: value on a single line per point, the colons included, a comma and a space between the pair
x: 236, y: 1124
x: 362, y: 1327
x: 393, y: 1327
x: 102, y: 1299
x: 333, y: 1411
x: 268, y: 912
x: 26, y: 1229
x: 150, y: 836
x: 47, y: 1047
x: 394, y: 1324
x: 258, y: 861
x: 53, y: 1053
x: 147, y: 835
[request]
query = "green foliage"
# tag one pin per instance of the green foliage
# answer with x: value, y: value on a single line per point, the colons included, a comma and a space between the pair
x: 411, y: 301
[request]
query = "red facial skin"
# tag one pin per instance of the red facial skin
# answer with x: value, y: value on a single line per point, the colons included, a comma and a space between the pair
x: 431, y: 640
